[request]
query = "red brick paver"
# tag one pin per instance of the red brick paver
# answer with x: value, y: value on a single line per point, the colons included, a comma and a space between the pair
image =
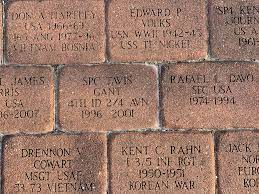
x: 210, y: 95
x: 157, y: 30
x: 54, y: 164
x: 55, y: 32
x: 108, y: 97
x: 27, y: 99
x: 160, y: 163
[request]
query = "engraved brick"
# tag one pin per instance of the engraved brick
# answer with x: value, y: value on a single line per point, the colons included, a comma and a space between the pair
x: 55, y: 32
x: 210, y: 95
x: 164, y: 162
x: 108, y: 97
x: 157, y: 30
x: 234, y: 29
x: 27, y: 99
x: 238, y: 162
x: 54, y: 164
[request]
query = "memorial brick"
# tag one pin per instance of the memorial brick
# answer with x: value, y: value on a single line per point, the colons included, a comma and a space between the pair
x: 108, y: 97
x: 161, y: 163
x: 210, y: 95
x: 27, y: 99
x: 157, y: 30
x: 54, y: 164
x: 55, y: 32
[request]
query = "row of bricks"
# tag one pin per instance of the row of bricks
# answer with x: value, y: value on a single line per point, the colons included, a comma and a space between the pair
x: 150, y: 162
x: 80, y: 32
x: 129, y: 97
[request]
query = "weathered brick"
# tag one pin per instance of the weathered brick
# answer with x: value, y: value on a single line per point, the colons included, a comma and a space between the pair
x: 234, y: 29
x: 210, y: 95
x: 54, y: 164
x: 55, y: 32
x: 1, y: 32
x: 161, y: 162
x: 108, y: 97
x: 238, y: 162
x: 157, y: 30
x: 27, y: 99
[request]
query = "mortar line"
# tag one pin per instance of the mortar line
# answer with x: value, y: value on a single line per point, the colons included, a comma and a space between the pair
x: 149, y: 63
x: 2, y: 165
x: 106, y: 31
x: 57, y: 70
x: 207, y: 25
x: 215, y: 138
x: 141, y: 130
x: 4, y: 35
x: 159, y: 97
x: 108, y: 162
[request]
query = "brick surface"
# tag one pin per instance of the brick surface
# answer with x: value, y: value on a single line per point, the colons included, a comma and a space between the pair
x: 234, y: 29
x: 54, y: 164
x: 108, y: 97
x: 27, y: 99
x: 1, y: 150
x: 161, y: 163
x: 210, y: 95
x: 1, y: 32
x: 55, y: 32
x: 157, y: 30
x: 238, y: 162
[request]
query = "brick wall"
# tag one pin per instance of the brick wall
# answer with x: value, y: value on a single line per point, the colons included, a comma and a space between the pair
x: 120, y: 96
